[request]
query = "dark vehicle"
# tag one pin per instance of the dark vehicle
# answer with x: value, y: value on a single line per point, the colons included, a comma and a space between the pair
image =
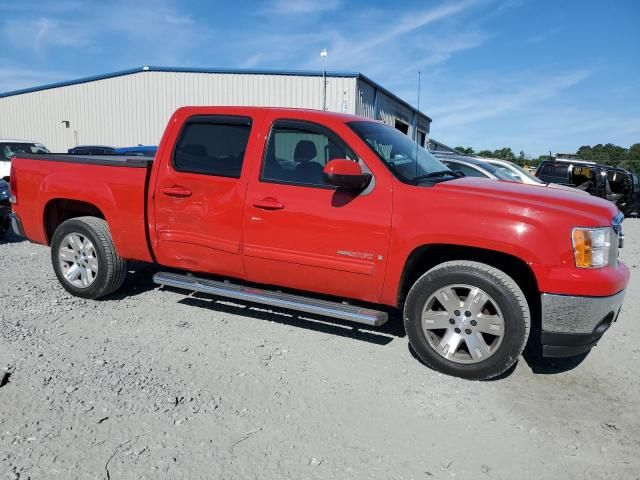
x: 92, y: 150
x: 615, y: 184
x: 5, y: 208
x: 138, y: 151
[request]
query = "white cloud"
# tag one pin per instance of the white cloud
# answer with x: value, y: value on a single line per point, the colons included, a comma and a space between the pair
x: 403, y: 25
x: 300, y: 7
x: 13, y: 77
x: 495, y: 98
x: 438, y: 49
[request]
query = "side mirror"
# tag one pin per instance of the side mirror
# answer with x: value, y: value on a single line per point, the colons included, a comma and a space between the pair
x: 346, y: 174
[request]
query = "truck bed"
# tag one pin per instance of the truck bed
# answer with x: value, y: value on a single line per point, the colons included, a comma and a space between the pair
x: 51, y: 186
x: 107, y: 160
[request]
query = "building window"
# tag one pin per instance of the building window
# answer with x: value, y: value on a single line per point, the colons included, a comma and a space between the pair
x: 402, y: 126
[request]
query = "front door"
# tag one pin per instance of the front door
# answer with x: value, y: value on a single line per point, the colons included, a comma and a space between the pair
x: 302, y: 233
x: 200, y: 196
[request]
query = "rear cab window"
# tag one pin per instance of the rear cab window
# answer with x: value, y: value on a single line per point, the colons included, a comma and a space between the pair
x: 212, y: 145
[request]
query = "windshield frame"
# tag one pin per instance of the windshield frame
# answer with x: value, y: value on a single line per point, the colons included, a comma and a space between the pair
x: 409, y: 181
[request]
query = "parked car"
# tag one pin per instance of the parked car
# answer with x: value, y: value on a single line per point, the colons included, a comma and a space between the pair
x: 140, y: 151
x: 339, y: 216
x: 472, y: 167
x: 8, y: 148
x: 524, y: 175
x: 91, y: 150
x: 5, y: 208
x: 614, y: 184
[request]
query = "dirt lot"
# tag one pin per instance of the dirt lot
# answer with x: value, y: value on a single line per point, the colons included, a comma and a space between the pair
x: 155, y: 384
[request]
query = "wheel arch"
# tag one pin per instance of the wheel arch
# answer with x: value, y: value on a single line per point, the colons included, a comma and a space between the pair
x: 59, y: 210
x: 425, y: 257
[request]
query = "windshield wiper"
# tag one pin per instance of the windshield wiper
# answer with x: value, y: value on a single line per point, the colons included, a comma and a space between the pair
x: 439, y: 173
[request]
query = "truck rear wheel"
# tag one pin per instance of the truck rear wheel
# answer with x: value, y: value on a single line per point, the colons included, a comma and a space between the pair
x: 85, y: 259
x: 467, y: 319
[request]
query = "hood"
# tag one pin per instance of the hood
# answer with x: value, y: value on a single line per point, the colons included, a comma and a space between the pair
x: 586, y: 209
x: 566, y: 188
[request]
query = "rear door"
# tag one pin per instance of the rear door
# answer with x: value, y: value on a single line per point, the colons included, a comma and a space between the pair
x: 199, y: 197
x: 305, y: 234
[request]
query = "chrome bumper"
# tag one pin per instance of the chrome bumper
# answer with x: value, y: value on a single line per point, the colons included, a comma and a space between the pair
x: 568, y: 314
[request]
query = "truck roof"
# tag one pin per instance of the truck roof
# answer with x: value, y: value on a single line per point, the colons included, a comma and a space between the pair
x: 240, y: 110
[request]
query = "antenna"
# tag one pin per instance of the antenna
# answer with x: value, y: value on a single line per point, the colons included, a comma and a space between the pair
x: 415, y: 125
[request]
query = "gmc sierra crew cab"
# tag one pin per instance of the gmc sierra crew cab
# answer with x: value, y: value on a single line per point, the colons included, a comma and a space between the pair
x: 339, y: 216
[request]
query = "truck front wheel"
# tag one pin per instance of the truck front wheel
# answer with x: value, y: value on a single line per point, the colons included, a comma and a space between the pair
x: 467, y: 319
x: 85, y: 259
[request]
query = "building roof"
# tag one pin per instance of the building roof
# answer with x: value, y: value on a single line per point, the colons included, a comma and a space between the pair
x: 296, y: 73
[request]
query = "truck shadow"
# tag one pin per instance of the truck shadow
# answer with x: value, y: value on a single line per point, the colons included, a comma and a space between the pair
x: 550, y: 366
x: 378, y: 336
x: 139, y: 280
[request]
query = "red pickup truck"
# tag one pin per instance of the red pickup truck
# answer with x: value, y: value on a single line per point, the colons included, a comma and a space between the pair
x: 339, y: 216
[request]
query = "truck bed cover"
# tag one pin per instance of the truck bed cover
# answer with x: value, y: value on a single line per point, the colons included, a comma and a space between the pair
x: 108, y: 160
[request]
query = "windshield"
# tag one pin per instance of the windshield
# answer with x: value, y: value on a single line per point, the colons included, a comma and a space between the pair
x: 405, y: 158
x: 8, y: 150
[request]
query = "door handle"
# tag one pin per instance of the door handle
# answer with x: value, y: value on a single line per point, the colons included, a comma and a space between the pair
x: 177, y: 192
x: 268, y: 203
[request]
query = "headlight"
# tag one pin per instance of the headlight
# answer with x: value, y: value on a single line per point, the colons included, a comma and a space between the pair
x: 591, y: 247
x: 4, y: 194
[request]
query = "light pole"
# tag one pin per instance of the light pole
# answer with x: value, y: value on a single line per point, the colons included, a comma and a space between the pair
x: 323, y: 56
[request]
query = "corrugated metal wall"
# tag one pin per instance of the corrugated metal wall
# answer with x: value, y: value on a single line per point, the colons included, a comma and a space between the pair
x: 133, y: 109
x: 388, y: 109
x: 366, y: 100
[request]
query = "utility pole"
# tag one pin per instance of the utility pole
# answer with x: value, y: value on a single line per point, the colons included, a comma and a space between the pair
x: 323, y: 56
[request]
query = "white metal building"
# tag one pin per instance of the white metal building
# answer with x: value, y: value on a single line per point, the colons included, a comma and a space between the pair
x: 132, y: 107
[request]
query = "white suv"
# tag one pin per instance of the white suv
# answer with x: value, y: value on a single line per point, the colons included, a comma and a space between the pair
x: 8, y: 148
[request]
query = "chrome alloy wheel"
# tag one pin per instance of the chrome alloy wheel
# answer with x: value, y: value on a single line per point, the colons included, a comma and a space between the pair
x: 78, y: 260
x: 463, y: 323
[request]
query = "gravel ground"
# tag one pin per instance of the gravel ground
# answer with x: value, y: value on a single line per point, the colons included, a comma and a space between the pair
x: 155, y: 384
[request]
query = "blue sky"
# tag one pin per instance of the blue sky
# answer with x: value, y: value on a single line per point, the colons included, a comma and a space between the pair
x: 532, y: 75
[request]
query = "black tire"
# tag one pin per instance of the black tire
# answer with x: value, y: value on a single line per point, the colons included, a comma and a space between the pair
x: 112, y: 269
x: 504, y: 291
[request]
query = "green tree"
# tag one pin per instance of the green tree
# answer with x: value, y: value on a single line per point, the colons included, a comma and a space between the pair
x: 485, y: 153
x: 466, y: 150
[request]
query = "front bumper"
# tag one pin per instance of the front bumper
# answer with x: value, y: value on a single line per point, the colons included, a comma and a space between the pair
x: 572, y: 325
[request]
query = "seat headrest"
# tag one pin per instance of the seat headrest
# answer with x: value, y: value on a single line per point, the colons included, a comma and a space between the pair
x: 305, y: 151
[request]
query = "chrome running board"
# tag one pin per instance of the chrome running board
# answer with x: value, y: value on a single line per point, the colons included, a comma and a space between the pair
x: 342, y: 311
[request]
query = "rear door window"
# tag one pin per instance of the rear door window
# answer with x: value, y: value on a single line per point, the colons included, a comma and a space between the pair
x: 213, y: 145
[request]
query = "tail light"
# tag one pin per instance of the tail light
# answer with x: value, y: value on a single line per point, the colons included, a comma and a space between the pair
x: 13, y: 185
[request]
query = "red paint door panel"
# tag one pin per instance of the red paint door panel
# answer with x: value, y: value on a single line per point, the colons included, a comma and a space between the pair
x: 200, y: 196
x: 303, y: 234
